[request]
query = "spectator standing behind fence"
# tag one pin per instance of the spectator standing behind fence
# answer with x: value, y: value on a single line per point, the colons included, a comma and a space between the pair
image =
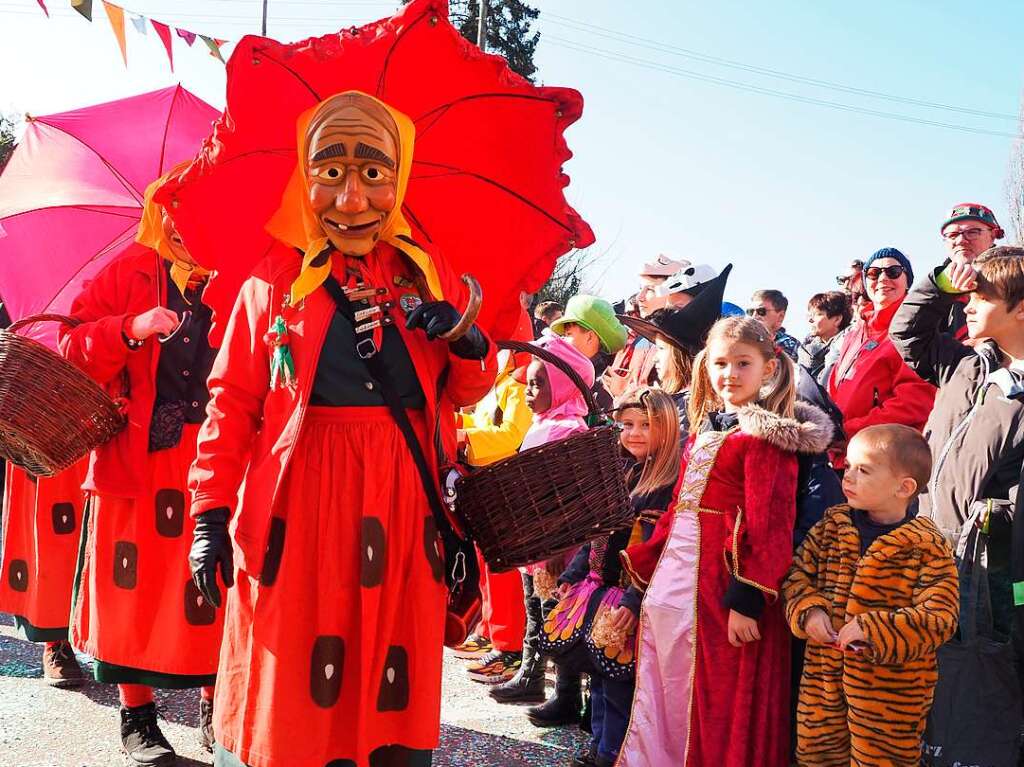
x: 976, y: 430
x: 769, y: 308
x: 870, y: 383
x: 828, y: 314
x: 969, y: 230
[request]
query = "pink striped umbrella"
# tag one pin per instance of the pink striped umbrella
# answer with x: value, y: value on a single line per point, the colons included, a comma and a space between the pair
x: 71, y: 195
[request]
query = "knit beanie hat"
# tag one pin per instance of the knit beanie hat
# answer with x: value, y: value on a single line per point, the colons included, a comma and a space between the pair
x: 891, y: 253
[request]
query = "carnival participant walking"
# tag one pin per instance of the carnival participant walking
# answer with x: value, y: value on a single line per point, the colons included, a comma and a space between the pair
x: 873, y: 589
x: 330, y: 395
x: 593, y: 627
x: 143, y: 335
x: 713, y: 676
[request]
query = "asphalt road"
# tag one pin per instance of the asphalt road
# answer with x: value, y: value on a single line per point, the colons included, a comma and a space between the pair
x: 44, y: 727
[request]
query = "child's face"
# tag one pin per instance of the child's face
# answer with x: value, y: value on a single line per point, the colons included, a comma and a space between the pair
x: 636, y: 432
x: 870, y: 483
x: 583, y: 339
x: 538, y: 388
x: 990, y: 317
x: 737, y: 371
x: 662, y: 356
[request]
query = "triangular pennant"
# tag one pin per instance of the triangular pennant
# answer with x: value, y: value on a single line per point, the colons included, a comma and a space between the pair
x: 188, y: 37
x: 214, y: 46
x: 43, y: 6
x: 84, y: 7
x: 116, y: 15
x: 140, y: 24
x: 164, y: 33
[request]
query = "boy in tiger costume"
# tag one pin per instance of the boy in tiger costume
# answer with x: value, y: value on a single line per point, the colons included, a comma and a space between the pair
x: 874, y: 590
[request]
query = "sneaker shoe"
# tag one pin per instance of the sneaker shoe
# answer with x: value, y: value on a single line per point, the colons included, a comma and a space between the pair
x: 60, y: 667
x: 495, y: 667
x: 473, y: 648
x: 143, y: 743
x: 206, y: 725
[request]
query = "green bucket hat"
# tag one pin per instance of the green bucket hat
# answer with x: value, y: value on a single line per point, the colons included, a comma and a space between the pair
x: 597, y: 315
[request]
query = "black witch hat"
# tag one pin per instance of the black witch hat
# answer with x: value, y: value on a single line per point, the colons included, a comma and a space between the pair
x: 686, y: 328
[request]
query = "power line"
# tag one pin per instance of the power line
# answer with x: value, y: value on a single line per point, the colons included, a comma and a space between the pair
x: 656, y: 66
x: 674, y: 50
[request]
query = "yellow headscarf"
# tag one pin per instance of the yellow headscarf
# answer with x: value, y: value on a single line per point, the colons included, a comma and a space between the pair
x: 295, y: 224
x: 151, y: 234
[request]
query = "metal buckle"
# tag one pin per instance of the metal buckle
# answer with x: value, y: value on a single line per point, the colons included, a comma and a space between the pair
x: 459, y: 567
x: 369, y: 350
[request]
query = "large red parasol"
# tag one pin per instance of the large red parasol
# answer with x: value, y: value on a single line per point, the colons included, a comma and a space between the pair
x: 486, y: 188
x: 71, y: 195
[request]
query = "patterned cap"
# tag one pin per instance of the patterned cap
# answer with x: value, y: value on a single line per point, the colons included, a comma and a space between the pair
x: 663, y: 266
x: 972, y: 211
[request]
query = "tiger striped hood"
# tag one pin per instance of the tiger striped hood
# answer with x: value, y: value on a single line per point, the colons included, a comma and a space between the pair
x: 809, y: 431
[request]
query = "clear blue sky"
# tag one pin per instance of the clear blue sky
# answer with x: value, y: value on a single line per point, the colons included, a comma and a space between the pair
x: 786, y: 191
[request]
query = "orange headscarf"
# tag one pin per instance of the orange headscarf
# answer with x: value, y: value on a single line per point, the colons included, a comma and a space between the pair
x: 296, y: 224
x: 151, y: 234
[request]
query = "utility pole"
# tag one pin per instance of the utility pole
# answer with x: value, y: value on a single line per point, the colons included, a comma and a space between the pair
x: 481, y: 32
x: 264, y: 18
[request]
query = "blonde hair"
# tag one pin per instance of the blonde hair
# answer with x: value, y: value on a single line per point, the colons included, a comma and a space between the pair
x: 662, y: 465
x: 778, y: 395
x: 680, y: 370
x: 904, y: 448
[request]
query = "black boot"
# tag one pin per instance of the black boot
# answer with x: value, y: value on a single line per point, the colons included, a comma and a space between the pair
x: 565, y: 707
x: 142, y: 740
x: 206, y: 724
x: 527, y: 686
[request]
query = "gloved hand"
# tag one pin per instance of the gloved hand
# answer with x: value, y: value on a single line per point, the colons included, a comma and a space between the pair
x: 438, y: 317
x: 211, y: 547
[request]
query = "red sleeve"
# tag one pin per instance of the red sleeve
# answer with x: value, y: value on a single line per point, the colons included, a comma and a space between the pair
x: 238, y: 382
x: 762, y: 541
x: 909, y: 404
x: 96, y: 346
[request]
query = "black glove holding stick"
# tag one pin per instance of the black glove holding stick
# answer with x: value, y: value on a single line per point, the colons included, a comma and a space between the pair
x: 436, y: 318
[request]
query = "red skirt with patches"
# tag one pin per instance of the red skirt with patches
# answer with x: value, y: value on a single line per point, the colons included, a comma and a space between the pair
x: 136, y: 609
x: 334, y: 650
x: 42, y: 521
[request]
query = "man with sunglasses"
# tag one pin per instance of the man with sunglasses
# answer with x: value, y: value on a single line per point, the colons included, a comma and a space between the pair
x: 769, y: 308
x: 969, y: 230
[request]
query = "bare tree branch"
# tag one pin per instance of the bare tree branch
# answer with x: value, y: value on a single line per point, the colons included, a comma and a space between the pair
x: 1015, y: 183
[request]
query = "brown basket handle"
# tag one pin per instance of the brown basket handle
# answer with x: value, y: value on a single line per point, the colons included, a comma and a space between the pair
x: 33, y: 318
x: 558, y: 362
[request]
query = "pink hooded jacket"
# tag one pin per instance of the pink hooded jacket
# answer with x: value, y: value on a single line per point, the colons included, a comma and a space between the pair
x: 568, y: 409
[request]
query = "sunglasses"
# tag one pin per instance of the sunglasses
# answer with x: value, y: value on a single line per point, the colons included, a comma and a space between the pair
x: 892, y: 272
x: 757, y: 311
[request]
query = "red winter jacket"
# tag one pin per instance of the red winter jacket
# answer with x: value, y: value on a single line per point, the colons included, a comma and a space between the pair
x: 133, y: 284
x: 250, y: 431
x: 871, y: 384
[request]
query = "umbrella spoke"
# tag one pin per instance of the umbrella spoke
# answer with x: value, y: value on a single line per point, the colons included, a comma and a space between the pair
x: 267, y: 57
x: 394, y: 47
x: 438, y: 112
x: 119, y: 239
x: 128, y: 186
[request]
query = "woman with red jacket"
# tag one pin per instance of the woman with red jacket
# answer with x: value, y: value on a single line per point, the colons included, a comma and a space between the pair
x: 870, y: 383
x: 143, y: 336
x: 334, y: 626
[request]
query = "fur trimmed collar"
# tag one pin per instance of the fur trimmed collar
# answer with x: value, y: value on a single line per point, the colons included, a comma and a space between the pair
x: 810, y: 431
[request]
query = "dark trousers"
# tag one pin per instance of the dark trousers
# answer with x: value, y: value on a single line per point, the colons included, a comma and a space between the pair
x: 536, y: 609
x: 385, y: 756
x: 610, y: 703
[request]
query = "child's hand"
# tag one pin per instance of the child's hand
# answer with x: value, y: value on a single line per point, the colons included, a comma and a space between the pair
x: 963, y: 277
x: 562, y: 591
x: 851, y: 634
x: 819, y: 626
x: 742, y: 629
x: 623, y: 620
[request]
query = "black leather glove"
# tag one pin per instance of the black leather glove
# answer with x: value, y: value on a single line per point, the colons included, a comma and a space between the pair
x: 211, y: 547
x: 438, y: 317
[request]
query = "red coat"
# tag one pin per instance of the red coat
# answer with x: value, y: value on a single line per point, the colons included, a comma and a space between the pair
x: 871, y: 384
x: 250, y: 431
x: 133, y: 284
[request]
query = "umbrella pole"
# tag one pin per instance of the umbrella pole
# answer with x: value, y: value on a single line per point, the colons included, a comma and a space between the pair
x: 264, y: 18
x: 481, y: 31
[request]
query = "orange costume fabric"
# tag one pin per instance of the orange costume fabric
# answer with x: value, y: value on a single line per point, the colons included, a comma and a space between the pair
x: 42, y: 520
x: 136, y: 610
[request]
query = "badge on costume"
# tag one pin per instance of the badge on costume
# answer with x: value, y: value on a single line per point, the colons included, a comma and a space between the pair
x: 409, y: 302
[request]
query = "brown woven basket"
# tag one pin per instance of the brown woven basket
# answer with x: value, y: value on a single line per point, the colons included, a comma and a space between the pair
x: 51, y: 413
x: 548, y: 499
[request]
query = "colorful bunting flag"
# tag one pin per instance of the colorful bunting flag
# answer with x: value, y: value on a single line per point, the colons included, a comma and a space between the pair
x: 84, y: 7
x: 140, y: 24
x: 214, y: 46
x: 116, y: 15
x: 43, y: 6
x: 188, y: 37
x: 164, y: 33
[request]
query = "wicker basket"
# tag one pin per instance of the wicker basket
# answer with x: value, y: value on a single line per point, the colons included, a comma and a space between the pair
x: 548, y: 499
x: 51, y: 413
